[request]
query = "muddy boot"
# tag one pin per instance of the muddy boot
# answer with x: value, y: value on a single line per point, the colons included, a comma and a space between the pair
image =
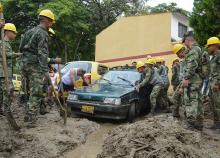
x: 1, y: 111
x: 190, y: 125
x: 168, y: 110
x: 31, y: 121
x: 44, y: 109
x: 176, y: 113
x: 198, y: 126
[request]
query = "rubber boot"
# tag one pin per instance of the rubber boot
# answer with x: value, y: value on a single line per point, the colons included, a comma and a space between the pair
x: 198, y: 125
x: 31, y: 121
x: 44, y: 108
x: 176, y: 113
x: 1, y: 111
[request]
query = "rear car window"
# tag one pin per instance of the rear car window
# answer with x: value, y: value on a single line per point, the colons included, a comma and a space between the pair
x: 82, y: 65
x: 102, y: 69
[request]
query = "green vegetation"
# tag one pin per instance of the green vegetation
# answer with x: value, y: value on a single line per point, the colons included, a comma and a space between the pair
x: 205, y: 19
x: 79, y: 21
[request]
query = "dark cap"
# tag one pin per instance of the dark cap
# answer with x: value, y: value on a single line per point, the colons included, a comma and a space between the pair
x: 188, y: 34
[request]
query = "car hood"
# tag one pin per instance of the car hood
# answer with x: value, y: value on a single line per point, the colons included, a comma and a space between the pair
x: 100, y: 91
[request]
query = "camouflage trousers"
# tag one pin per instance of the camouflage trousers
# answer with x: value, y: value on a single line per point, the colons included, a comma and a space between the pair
x: 155, y: 94
x: 36, y: 92
x: 177, y: 100
x: 166, y: 87
x: 215, y: 105
x: 193, y: 104
x: 5, y: 97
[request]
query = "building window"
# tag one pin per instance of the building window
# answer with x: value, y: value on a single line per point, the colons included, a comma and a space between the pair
x: 182, y: 29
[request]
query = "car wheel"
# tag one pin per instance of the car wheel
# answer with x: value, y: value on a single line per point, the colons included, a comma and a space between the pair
x: 131, y: 112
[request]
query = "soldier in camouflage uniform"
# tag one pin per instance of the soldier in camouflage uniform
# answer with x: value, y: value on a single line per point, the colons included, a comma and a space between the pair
x: 213, y: 45
x: 154, y: 79
x: 175, y: 74
x: 163, y: 72
x: 192, y: 83
x: 180, y: 51
x: 25, y: 88
x: 34, y: 47
x: 5, y: 97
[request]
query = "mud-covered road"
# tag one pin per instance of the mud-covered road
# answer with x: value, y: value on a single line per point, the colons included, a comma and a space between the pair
x: 94, y: 142
x: 114, y: 140
x: 83, y: 138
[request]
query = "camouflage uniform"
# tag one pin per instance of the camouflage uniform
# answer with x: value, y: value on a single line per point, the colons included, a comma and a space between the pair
x: 215, y: 80
x: 5, y: 97
x: 154, y: 79
x: 177, y: 98
x: 175, y: 76
x: 163, y: 72
x: 34, y: 47
x: 192, y: 95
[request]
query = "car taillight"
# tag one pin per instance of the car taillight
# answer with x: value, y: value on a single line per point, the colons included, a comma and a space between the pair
x: 87, y: 78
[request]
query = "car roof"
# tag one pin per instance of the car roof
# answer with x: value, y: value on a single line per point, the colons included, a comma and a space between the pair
x: 71, y: 62
x: 132, y: 70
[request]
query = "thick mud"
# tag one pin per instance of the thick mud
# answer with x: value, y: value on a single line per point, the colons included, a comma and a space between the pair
x: 50, y: 139
x: 159, y: 137
x: 93, y: 145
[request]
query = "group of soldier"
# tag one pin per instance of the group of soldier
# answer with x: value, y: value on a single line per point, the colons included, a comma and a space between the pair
x: 198, y: 80
x: 154, y: 74
x: 197, y: 76
x: 195, y: 80
x: 34, y: 58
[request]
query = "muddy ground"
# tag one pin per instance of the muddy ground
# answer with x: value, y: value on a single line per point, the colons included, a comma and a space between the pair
x: 159, y: 137
x: 50, y: 139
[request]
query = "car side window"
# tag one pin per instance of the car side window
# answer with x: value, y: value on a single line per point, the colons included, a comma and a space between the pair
x: 102, y: 69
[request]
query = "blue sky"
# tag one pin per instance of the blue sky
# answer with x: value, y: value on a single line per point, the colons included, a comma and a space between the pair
x: 185, y: 4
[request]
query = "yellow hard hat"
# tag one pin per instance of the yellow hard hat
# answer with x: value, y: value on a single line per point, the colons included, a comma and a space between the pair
x: 10, y: 27
x: 51, y: 31
x: 47, y: 13
x: 177, y: 48
x: 150, y: 61
x: 212, y: 40
x: 139, y: 64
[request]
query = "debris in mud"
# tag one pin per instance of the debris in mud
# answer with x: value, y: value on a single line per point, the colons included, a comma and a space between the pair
x: 158, y: 137
x: 49, y: 139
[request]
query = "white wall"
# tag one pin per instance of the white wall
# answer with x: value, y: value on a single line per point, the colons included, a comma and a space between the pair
x: 178, y: 18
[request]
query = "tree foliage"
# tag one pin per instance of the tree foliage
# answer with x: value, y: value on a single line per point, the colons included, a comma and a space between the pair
x: 172, y: 7
x: 205, y: 19
x: 77, y: 21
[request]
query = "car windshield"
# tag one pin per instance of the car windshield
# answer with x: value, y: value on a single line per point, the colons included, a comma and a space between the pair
x: 116, y: 77
x: 82, y: 65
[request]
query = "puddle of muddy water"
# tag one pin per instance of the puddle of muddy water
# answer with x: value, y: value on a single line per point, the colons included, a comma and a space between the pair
x: 93, y: 145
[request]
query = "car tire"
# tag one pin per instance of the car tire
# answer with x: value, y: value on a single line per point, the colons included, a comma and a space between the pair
x: 131, y: 112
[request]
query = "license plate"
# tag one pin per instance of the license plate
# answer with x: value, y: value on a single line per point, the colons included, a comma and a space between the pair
x: 87, y: 109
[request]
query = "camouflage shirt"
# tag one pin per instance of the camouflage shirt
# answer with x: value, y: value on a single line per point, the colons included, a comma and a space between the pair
x: 151, y: 77
x: 34, y: 46
x: 192, y: 66
x: 9, y: 54
x: 215, y: 69
x: 175, y: 74
x: 205, y: 65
